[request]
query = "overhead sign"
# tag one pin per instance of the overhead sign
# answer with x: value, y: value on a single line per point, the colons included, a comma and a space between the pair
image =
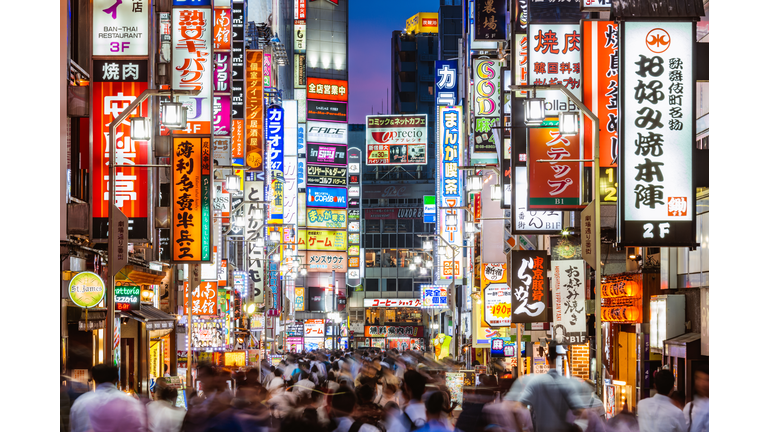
x: 450, y: 148
x: 326, y: 89
x: 396, y: 139
x: 254, y: 110
x: 487, y: 103
x: 322, y: 240
x: 657, y: 200
x: 326, y: 218
x: 321, y: 175
x: 314, y: 327
x: 192, y: 67
x: 392, y: 302
x: 430, y: 209
x: 327, y: 154
x: 568, y: 302
x: 326, y: 132
x: 535, y: 221
x: 555, y: 185
x: 222, y: 29
x: 434, y: 296
x: 204, y: 298
x: 120, y: 29
x: 191, y: 196
x: 326, y: 111
x: 222, y: 120
x: 324, y: 262
x: 446, y: 82
x: 86, y: 289
x: 529, y: 277
x: 554, y: 57
x: 497, y: 295
x: 422, y: 22
x: 490, y: 20
x: 127, y: 298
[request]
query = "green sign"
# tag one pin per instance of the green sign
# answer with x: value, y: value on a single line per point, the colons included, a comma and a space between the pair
x: 127, y: 298
x: 86, y: 289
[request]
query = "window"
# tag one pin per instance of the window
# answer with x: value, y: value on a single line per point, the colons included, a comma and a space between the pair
x: 371, y: 284
x: 367, y: 241
x: 390, y: 226
x: 405, y: 226
x: 388, y: 258
x: 372, y: 258
x: 405, y: 285
x: 418, y: 226
x: 391, y: 284
x: 385, y: 241
x: 372, y: 226
x: 376, y: 241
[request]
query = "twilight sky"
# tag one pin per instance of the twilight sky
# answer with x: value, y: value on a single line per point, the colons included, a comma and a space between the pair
x: 370, y: 32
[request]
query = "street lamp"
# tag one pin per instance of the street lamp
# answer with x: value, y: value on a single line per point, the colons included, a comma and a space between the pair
x: 451, y: 220
x: 141, y: 129
x: 412, y: 267
x: 534, y: 111
x: 174, y: 115
x: 474, y: 183
x: 251, y: 308
x: 417, y: 259
x: 496, y: 192
x: 259, y: 242
x: 233, y: 184
x: 469, y: 227
x: 239, y: 220
x: 569, y: 123
x: 274, y: 236
x: 426, y: 245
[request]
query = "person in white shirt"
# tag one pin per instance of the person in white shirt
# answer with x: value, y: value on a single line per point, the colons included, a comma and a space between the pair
x: 696, y: 412
x: 162, y: 415
x: 106, y: 409
x: 277, y: 383
x: 658, y: 413
x: 340, y: 410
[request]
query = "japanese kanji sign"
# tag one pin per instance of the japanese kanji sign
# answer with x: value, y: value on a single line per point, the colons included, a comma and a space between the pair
x: 530, y: 286
x: 276, y: 157
x: 254, y: 229
x: 568, y: 300
x: 192, y: 69
x: 487, y: 103
x: 191, y: 200
x: 555, y: 185
x: 326, y: 89
x: 254, y: 110
x: 222, y: 33
x: 497, y: 296
x: 120, y: 28
x: 534, y: 221
x: 432, y: 297
x: 446, y: 82
x: 205, y: 298
x: 394, y: 331
x: 600, y: 57
x: 109, y: 99
x: 490, y: 20
x: 657, y: 203
x: 450, y: 188
x: 396, y: 139
x: 326, y: 218
x: 554, y: 57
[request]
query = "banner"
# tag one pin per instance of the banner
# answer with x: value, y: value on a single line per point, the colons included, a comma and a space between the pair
x: 191, y: 196
x: 300, y: 36
x: 530, y: 285
x: 568, y: 302
x: 222, y: 29
x: 396, y: 139
x: 205, y: 298
x: 394, y: 331
x: 657, y: 200
x: 393, y: 302
x: 254, y: 110
x: 192, y: 66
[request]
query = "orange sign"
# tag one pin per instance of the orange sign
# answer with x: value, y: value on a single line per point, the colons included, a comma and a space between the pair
x: 237, y: 138
x: 555, y: 185
x: 222, y: 29
x: 191, y: 212
x: 205, y: 298
x: 326, y: 89
x: 601, y: 86
x: 254, y: 109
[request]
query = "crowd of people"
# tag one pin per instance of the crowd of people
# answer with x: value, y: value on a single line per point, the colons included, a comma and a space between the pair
x: 377, y: 391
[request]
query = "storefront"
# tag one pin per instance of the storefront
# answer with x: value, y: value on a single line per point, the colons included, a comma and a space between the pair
x: 145, y: 346
x: 392, y: 310
x: 400, y: 337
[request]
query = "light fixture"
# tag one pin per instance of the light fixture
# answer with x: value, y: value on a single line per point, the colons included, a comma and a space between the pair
x: 442, y: 250
x: 174, y: 115
x: 288, y: 253
x: 474, y: 183
x: 258, y: 213
x: 451, y: 220
x: 469, y: 227
x: 422, y: 271
x: 293, y: 275
x: 534, y: 111
x: 274, y: 236
x: 147, y: 295
x: 496, y: 192
x: 251, y: 308
x: 276, y: 257
x: 303, y: 272
x: 239, y: 220
x: 259, y: 242
x: 412, y: 267
x: 427, y: 245
x: 140, y: 129
x: 233, y: 184
x: 429, y: 264
x: 417, y: 259
x: 569, y: 122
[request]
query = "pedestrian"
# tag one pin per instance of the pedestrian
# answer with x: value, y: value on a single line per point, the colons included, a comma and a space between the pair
x: 435, y: 408
x: 162, y: 414
x: 696, y: 412
x: 551, y: 397
x: 277, y: 382
x: 659, y: 413
x: 340, y: 411
x: 106, y: 409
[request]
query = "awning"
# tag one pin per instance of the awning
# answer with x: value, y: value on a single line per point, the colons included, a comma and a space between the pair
x: 140, y: 275
x: 687, y: 345
x: 96, y: 319
x: 154, y: 318
x: 665, y: 9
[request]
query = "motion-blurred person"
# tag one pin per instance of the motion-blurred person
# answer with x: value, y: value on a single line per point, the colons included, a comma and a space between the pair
x: 389, y: 394
x: 207, y: 411
x: 414, y: 410
x: 162, y: 415
x: 696, y: 412
x: 658, y: 413
x: 277, y: 383
x: 435, y: 408
x: 252, y: 414
x: 551, y: 396
x: 106, y: 409
x: 506, y: 415
x: 367, y: 410
x: 340, y: 411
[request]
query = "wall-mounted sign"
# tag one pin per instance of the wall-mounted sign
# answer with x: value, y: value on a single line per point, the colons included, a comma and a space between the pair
x: 254, y: 110
x: 326, y: 218
x: 222, y: 110
x: 326, y: 132
x: 326, y: 197
x: 600, y: 54
x: 275, y: 136
x: 327, y: 154
x: 536, y: 221
x: 314, y: 327
x: 322, y: 240
x: 392, y: 302
x: 127, y: 298
x: 446, y: 82
x: 300, y: 36
x: 430, y: 209
x: 657, y: 200
x: 490, y: 20
x: 192, y: 67
x: 299, y: 298
x: 422, y: 22
x: 86, y: 289
x: 450, y: 148
x: 554, y: 57
x: 300, y: 71
x: 326, y: 89
x: 326, y: 111
x: 394, y: 331
x: 324, y: 262
x: 396, y: 139
x: 529, y: 277
x: 497, y: 295
x: 568, y: 302
x: 394, y: 213
x: 191, y: 196
x: 253, y: 190
x: 222, y: 32
x: 434, y: 296
x: 120, y: 29
x: 205, y: 298
x: 322, y: 175
x: 556, y: 185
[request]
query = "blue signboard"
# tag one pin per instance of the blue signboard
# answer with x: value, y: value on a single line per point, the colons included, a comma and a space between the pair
x: 326, y: 197
x: 192, y: 3
x: 446, y: 82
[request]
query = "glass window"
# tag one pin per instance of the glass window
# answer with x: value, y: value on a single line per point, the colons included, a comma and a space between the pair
x: 373, y: 226
x: 371, y: 285
x: 368, y: 241
x: 405, y: 285
x: 385, y: 241
x: 409, y: 315
x: 405, y: 226
x: 388, y: 258
x: 409, y: 240
x: 390, y: 225
x: 401, y: 240
x: 372, y: 258
x: 391, y: 284
x: 418, y: 226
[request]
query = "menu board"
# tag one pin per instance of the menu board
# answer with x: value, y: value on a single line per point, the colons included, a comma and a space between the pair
x: 455, y: 383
